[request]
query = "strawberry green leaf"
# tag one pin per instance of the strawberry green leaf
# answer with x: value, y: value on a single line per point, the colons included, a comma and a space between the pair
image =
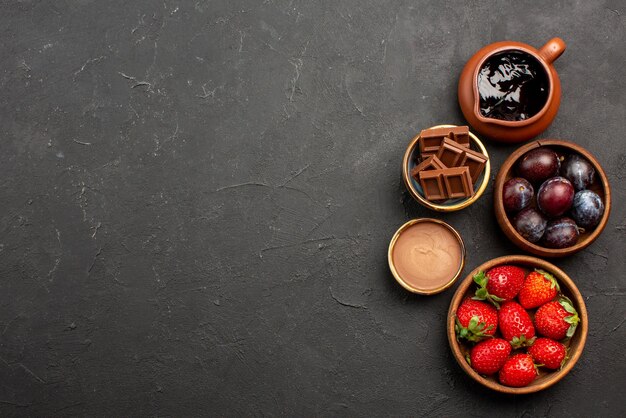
x: 521, y: 341
x: 461, y: 331
x: 481, y: 294
x: 550, y: 278
x: 573, y: 321
x: 564, y: 359
x: 473, y: 323
x: 570, y: 331
x: 475, y: 330
x: 457, y: 324
x: 480, y: 279
x: 566, y: 303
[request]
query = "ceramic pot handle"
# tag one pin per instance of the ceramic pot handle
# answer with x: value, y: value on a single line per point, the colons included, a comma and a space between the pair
x: 552, y: 50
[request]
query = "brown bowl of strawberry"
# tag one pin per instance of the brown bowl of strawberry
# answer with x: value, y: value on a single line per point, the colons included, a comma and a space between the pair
x: 517, y: 324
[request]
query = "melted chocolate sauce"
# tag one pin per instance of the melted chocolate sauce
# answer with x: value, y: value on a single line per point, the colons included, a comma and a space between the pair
x: 512, y: 86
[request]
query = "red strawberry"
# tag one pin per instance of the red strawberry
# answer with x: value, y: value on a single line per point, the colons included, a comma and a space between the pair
x: 557, y: 319
x: 499, y: 284
x: 475, y: 320
x: 515, y: 324
x: 518, y: 371
x: 487, y: 357
x: 539, y: 287
x: 548, y: 352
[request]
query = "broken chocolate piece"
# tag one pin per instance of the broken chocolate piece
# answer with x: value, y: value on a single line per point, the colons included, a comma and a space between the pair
x: 425, y: 155
x: 475, y: 161
x: 430, y: 163
x: 447, y: 183
x: 450, y: 153
x: 430, y: 139
x: 432, y: 184
x: 458, y: 182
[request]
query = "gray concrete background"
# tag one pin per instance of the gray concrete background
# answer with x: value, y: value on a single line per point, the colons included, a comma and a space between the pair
x: 197, y: 198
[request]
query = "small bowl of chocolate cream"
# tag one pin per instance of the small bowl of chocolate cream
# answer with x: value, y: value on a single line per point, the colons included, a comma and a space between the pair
x: 426, y: 256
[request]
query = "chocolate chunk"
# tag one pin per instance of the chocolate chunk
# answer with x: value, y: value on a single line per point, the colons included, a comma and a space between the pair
x: 432, y: 184
x: 430, y: 139
x: 447, y: 183
x: 450, y: 153
x: 458, y: 182
x: 475, y: 161
x: 425, y: 155
x: 430, y: 163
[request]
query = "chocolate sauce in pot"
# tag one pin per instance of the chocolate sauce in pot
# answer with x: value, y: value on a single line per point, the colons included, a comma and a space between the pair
x: 512, y: 86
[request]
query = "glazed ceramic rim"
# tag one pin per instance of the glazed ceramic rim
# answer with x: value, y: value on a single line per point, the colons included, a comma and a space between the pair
x: 517, y: 123
x: 564, y: 279
x: 505, y: 223
x: 397, y: 276
x: 435, y: 206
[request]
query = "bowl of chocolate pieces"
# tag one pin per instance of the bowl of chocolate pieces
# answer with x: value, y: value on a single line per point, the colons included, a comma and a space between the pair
x: 446, y: 168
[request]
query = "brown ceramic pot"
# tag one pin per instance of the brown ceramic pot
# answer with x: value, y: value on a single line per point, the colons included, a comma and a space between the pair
x: 502, y: 130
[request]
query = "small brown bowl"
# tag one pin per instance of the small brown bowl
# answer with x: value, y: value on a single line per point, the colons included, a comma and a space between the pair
x: 601, y: 187
x: 449, y: 205
x: 574, y: 345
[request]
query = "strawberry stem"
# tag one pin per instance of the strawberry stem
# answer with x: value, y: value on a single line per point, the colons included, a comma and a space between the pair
x: 521, y: 341
x: 573, y: 319
x: 475, y: 330
x: 481, y: 280
x: 550, y: 278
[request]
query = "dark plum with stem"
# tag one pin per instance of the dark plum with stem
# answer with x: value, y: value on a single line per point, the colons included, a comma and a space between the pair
x: 530, y: 224
x: 517, y: 193
x: 555, y: 196
x: 579, y: 171
x: 561, y: 233
x: 587, y: 209
x: 538, y: 165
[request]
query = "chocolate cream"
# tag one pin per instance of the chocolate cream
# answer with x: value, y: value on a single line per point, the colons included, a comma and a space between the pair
x: 427, y: 255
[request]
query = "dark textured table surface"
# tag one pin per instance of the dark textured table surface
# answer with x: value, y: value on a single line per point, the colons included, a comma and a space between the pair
x: 197, y: 198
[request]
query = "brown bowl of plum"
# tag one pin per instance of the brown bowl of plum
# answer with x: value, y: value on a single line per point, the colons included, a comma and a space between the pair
x: 552, y: 198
